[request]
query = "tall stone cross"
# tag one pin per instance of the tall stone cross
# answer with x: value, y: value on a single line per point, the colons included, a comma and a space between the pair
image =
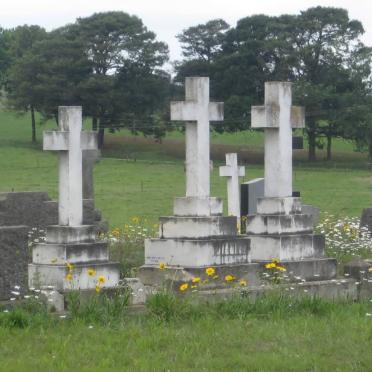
x: 232, y: 171
x: 70, y: 141
x: 278, y: 117
x: 197, y: 111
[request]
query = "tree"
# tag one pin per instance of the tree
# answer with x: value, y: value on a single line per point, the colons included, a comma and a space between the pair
x: 112, y: 41
x: 21, y: 41
x: 48, y: 75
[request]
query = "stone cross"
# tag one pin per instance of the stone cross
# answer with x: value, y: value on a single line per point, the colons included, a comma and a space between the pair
x: 90, y: 158
x: 197, y: 111
x: 278, y: 117
x: 232, y: 171
x: 70, y: 141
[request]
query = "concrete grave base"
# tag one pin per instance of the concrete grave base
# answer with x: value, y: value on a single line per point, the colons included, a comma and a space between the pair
x: 197, y: 206
x: 286, y: 247
x: 153, y: 276
x: 361, y: 271
x: 55, y: 275
x: 14, y: 255
x: 197, y: 252
x: 342, y: 290
x: 197, y: 227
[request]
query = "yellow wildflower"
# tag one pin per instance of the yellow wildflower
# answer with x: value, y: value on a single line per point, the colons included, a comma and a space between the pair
x: 243, y: 283
x: 270, y: 265
x: 69, y: 277
x: 162, y: 266
x: 183, y: 287
x: 196, y: 280
x: 275, y: 260
x: 210, y: 271
x: 230, y: 278
x: 91, y: 272
x: 135, y: 220
x: 101, y: 279
x: 69, y: 266
x: 98, y: 289
x: 194, y: 286
x: 281, y: 268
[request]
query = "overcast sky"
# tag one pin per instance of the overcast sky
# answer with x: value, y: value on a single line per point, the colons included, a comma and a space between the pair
x: 169, y: 17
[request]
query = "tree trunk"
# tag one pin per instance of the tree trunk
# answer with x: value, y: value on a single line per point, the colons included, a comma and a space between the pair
x: 329, y: 147
x: 312, y: 145
x: 94, y: 123
x: 33, y: 124
x: 101, y: 135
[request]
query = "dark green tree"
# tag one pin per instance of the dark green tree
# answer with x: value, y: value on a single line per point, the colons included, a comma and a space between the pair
x: 21, y: 41
x: 112, y: 41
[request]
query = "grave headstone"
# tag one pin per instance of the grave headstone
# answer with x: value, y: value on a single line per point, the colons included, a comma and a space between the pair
x: 70, y: 242
x: 232, y: 172
x: 250, y: 192
x: 197, y: 236
x: 280, y: 229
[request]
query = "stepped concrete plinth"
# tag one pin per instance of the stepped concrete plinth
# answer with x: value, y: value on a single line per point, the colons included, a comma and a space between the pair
x: 71, y: 258
x: 197, y: 236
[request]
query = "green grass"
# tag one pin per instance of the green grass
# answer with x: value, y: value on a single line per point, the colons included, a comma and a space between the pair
x: 146, y: 188
x: 316, y: 336
x: 236, y: 336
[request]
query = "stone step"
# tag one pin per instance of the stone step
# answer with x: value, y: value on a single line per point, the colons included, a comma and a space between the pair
x: 197, y: 227
x: 310, y: 269
x: 197, y: 252
x: 279, y: 224
x: 288, y: 205
x: 55, y: 275
x: 152, y: 275
x: 338, y: 289
x: 286, y: 247
x: 198, y: 206
x: 59, y: 254
x: 70, y: 234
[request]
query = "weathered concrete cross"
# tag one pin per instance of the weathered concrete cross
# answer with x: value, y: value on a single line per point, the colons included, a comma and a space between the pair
x: 232, y: 171
x: 197, y: 108
x: 70, y: 141
x: 278, y: 117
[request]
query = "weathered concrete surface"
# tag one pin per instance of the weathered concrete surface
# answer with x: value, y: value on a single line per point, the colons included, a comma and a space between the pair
x: 197, y: 206
x: 55, y: 275
x: 36, y: 209
x: 278, y: 117
x: 70, y: 141
x: 197, y: 111
x: 361, y: 271
x: 153, y: 276
x: 14, y: 256
x: 197, y: 252
x: 232, y: 172
x: 197, y: 227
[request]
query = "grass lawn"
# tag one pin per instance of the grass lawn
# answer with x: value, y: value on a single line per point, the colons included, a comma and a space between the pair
x: 320, y: 337
x: 338, y: 337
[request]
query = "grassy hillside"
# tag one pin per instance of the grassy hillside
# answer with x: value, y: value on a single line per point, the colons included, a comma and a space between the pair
x: 146, y: 187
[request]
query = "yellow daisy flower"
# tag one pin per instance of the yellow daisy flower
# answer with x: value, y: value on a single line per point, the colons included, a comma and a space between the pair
x: 210, y: 271
x: 183, y: 287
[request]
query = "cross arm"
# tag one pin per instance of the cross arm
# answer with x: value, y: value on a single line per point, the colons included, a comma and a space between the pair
x: 89, y: 140
x: 55, y: 140
x: 225, y: 171
x: 183, y: 111
x: 268, y: 116
x: 215, y: 111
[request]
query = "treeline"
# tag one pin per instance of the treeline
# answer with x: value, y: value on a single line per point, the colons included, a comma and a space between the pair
x: 113, y: 65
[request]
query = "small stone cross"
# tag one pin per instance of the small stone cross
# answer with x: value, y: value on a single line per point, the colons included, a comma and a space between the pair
x: 232, y: 171
x: 278, y: 117
x: 70, y: 141
x: 197, y: 111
